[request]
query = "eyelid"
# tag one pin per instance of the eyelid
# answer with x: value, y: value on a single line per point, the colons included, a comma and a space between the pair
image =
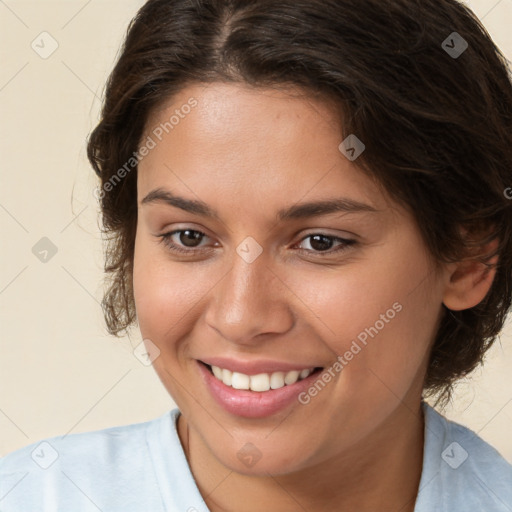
x: 345, y: 235
x: 166, y: 239
x: 344, y: 243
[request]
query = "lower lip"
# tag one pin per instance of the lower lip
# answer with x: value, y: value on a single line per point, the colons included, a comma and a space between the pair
x: 254, y: 404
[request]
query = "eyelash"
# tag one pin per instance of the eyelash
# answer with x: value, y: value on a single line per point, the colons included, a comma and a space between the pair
x: 166, y: 240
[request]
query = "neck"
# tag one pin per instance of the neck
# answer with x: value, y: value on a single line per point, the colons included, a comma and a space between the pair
x: 381, y: 472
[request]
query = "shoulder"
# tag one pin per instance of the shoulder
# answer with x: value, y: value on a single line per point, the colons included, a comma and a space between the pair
x: 96, y: 463
x: 460, y: 470
x: 109, y: 444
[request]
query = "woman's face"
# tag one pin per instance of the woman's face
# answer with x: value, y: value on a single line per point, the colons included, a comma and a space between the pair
x: 274, y: 284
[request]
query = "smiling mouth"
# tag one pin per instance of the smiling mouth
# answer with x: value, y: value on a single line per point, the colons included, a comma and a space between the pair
x: 261, y: 382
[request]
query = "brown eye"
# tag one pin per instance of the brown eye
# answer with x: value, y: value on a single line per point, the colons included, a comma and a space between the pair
x: 190, y: 238
x: 179, y: 240
x: 320, y: 244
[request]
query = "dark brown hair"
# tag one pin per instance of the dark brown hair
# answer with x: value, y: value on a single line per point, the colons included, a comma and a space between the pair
x: 437, y: 126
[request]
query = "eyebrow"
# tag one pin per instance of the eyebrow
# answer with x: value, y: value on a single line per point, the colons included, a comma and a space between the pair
x: 160, y: 195
x: 297, y: 211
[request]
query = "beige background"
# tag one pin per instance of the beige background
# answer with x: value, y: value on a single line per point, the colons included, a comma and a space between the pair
x: 59, y: 371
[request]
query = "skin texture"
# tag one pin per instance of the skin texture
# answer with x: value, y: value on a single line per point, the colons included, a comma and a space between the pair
x: 249, y: 153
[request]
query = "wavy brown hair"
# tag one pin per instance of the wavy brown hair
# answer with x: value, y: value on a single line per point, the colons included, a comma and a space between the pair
x: 437, y: 128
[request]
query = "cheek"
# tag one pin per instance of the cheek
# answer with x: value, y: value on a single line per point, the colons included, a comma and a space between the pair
x: 165, y: 292
x: 378, y: 315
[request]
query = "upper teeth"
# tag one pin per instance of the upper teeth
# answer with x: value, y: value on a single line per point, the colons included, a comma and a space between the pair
x: 260, y: 382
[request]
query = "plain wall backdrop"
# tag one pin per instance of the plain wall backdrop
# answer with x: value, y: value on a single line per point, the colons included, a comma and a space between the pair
x: 59, y: 370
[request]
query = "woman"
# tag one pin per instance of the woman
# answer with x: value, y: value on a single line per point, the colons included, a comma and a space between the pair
x: 307, y: 218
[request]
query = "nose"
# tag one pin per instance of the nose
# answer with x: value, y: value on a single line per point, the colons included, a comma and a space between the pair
x: 250, y: 300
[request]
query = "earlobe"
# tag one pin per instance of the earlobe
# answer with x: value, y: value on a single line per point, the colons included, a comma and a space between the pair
x: 469, y: 282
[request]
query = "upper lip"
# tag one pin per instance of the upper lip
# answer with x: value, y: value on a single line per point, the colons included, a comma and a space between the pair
x: 256, y: 367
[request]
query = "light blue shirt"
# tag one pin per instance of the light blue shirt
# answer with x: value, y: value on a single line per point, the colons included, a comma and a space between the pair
x: 142, y: 468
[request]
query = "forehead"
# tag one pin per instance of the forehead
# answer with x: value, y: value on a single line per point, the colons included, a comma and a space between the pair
x: 259, y: 145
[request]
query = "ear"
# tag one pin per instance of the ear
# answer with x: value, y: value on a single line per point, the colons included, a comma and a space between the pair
x: 469, y: 281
